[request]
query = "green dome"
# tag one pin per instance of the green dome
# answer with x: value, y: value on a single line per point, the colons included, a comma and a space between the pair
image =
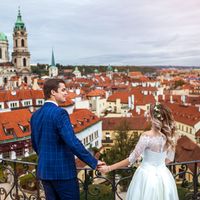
x: 19, y: 24
x: 116, y: 70
x: 3, y: 37
x: 96, y: 71
x: 109, y: 68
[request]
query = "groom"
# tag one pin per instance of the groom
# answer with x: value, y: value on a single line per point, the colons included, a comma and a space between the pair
x: 55, y: 143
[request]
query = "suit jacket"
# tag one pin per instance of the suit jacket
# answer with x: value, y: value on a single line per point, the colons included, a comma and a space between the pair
x: 55, y: 143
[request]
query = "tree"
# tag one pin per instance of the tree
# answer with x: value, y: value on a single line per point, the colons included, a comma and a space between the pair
x: 178, y: 83
x: 124, y: 144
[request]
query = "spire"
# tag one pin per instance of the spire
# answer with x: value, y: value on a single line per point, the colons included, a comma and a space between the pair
x: 19, y: 24
x: 19, y: 17
x: 52, y: 59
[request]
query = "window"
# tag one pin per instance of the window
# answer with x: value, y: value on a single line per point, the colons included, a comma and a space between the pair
x: 22, y: 42
x: 27, y: 103
x: 86, y: 139
x: 190, y: 130
x: 40, y: 102
x: 24, y: 128
x: 107, y: 136
x: 6, y: 154
x: 13, y: 105
x: 16, y: 43
x: 135, y: 134
x: 90, y: 138
x: 96, y: 143
x: 24, y: 62
x: 19, y: 152
x: 0, y: 53
x: 9, y: 131
x: 96, y: 134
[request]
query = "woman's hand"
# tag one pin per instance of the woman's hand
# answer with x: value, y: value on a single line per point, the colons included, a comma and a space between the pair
x: 105, y: 169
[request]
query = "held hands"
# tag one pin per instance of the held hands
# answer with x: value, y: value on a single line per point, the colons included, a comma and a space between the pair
x: 102, y: 167
x: 105, y: 169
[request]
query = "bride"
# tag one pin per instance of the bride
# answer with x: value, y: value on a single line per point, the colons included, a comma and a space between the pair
x: 152, y: 180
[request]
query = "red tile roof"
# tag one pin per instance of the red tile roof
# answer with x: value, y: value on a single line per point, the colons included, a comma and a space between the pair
x: 187, y: 150
x: 6, y: 96
x: 123, y: 96
x: 68, y: 102
x: 95, y: 93
x: 71, y: 95
x: 139, y: 98
x: 135, y: 123
x: 12, y: 120
x: 185, y: 114
x: 82, y: 119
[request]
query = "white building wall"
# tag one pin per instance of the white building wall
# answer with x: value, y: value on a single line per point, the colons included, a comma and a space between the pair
x: 13, y: 104
x: 101, y: 105
x: 69, y: 109
x: 27, y: 102
x: 82, y: 104
x: 96, y: 142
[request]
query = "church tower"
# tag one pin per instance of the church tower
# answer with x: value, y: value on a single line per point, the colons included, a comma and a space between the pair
x: 4, y: 57
x: 53, y: 70
x: 20, y: 54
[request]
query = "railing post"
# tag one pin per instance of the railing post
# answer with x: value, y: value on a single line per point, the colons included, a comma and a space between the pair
x: 37, y: 184
x: 16, y: 180
x: 86, y: 185
x: 195, y: 181
x: 113, y: 185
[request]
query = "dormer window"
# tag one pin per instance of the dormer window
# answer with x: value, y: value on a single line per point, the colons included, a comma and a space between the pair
x: 9, y: 131
x: 24, y: 126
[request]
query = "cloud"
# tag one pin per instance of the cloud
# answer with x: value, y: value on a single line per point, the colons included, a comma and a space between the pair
x: 104, y: 32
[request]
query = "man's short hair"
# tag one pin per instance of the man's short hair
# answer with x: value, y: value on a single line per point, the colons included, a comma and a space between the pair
x: 51, y: 84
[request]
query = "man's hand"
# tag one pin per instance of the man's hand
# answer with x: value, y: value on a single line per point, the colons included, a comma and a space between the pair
x: 100, y: 164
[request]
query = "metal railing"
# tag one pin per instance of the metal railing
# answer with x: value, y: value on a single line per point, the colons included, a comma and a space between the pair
x: 18, y: 181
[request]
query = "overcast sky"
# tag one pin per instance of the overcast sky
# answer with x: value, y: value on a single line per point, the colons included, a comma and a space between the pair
x: 116, y: 32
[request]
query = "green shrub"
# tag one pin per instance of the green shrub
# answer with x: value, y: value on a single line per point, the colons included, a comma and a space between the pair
x: 28, y: 182
x: 100, y: 192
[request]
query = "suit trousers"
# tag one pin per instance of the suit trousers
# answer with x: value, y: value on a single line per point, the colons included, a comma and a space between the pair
x: 61, y: 189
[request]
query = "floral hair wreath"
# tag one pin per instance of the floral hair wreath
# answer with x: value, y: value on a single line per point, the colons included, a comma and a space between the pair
x: 156, y: 111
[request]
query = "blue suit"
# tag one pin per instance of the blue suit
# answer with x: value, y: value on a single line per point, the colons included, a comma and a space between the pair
x: 55, y: 143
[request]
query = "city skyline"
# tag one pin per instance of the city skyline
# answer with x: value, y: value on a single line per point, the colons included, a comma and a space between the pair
x: 115, y: 32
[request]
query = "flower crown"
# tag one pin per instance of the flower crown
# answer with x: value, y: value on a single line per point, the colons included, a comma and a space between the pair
x: 156, y: 111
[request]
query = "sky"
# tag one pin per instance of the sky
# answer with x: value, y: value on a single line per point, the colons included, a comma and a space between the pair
x: 103, y: 32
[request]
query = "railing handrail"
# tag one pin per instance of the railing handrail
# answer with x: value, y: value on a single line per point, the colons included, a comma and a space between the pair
x: 12, y: 176
x: 88, y: 168
x: 17, y: 161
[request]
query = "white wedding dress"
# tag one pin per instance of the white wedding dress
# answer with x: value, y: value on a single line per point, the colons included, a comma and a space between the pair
x: 152, y: 180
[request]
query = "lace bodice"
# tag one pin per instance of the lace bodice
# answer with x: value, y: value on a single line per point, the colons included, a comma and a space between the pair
x: 153, y: 143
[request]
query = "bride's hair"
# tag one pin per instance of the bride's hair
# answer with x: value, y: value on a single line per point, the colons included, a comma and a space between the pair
x: 163, y: 120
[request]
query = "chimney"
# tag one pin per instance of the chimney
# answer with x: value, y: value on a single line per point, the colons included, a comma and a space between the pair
x: 78, y: 91
x: 171, y: 99
x: 129, y: 102
x: 183, y: 99
x: 138, y: 110
x: 132, y: 101
x: 163, y: 97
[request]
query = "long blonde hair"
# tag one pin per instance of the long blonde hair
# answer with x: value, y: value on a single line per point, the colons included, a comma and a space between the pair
x: 163, y: 120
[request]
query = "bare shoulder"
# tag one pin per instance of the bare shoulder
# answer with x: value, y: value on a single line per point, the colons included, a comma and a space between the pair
x: 147, y: 133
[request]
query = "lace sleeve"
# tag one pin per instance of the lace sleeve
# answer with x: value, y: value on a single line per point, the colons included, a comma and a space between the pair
x: 170, y: 154
x: 139, y: 149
